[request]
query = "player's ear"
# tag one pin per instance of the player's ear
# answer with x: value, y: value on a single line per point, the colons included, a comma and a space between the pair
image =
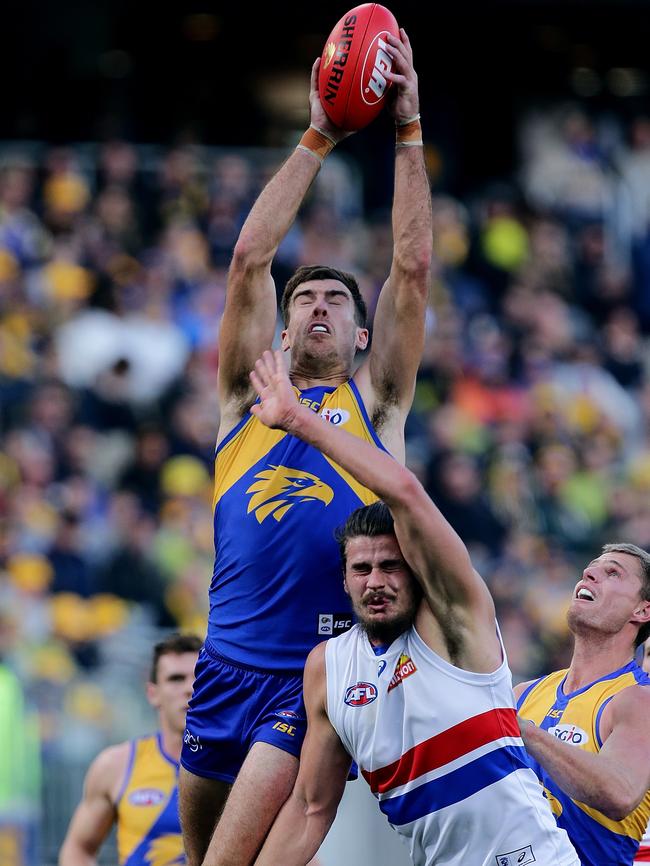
x: 361, y: 340
x: 152, y: 695
x: 284, y: 338
x: 642, y: 611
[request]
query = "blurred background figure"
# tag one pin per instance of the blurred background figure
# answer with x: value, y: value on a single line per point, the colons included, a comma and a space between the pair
x: 134, y: 785
x: 20, y: 769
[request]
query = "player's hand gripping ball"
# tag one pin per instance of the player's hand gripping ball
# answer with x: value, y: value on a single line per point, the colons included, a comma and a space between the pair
x: 351, y: 78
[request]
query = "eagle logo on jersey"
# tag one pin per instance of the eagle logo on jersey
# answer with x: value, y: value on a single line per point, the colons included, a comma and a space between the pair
x: 330, y: 48
x: 166, y: 851
x: 279, y: 488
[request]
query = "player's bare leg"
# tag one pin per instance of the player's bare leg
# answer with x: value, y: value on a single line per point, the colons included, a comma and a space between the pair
x: 263, y: 784
x: 201, y: 802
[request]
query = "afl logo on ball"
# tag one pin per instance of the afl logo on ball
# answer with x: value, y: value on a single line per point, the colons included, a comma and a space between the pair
x: 360, y: 694
x: 378, y: 61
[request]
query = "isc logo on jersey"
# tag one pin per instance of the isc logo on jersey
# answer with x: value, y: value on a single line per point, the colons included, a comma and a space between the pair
x: 360, y: 694
x: 378, y: 61
x: 570, y: 734
x: 333, y: 624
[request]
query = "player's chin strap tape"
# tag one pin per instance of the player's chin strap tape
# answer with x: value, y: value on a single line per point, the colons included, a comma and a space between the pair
x: 408, y: 133
x: 316, y: 142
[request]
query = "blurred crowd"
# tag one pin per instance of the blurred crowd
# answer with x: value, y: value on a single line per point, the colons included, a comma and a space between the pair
x: 530, y: 425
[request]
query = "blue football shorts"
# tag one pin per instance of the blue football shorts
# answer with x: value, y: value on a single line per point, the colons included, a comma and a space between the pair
x: 234, y: 706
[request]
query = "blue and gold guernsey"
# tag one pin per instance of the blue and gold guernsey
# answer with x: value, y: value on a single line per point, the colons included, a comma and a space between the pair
x: 575, y: 718
x: 148, y: 826
x: 277, y: 586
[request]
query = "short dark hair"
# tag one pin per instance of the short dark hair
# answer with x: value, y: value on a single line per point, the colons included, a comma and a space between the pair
x: 644, y: 558
x: 369, y: 520
x: 305, y: 273
x: 173, y: 644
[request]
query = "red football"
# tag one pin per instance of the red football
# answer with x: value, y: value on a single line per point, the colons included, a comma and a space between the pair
x: 351, y: 82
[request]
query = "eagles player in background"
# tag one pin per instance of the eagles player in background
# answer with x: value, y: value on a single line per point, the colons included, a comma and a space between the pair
x: 134, y: 784
x: 276, y: 588
x: 590, y: 740
x: 643, y: 854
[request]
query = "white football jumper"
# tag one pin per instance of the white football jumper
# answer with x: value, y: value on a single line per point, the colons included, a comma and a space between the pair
x: 441, y: 750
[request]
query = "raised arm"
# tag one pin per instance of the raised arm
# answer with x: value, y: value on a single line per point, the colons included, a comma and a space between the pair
x: 615, y: 780
x: 307, y: 815
x: 95, y: 815
x: 387, y: 380
x: 432, y: 548
x: 249, y: 318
